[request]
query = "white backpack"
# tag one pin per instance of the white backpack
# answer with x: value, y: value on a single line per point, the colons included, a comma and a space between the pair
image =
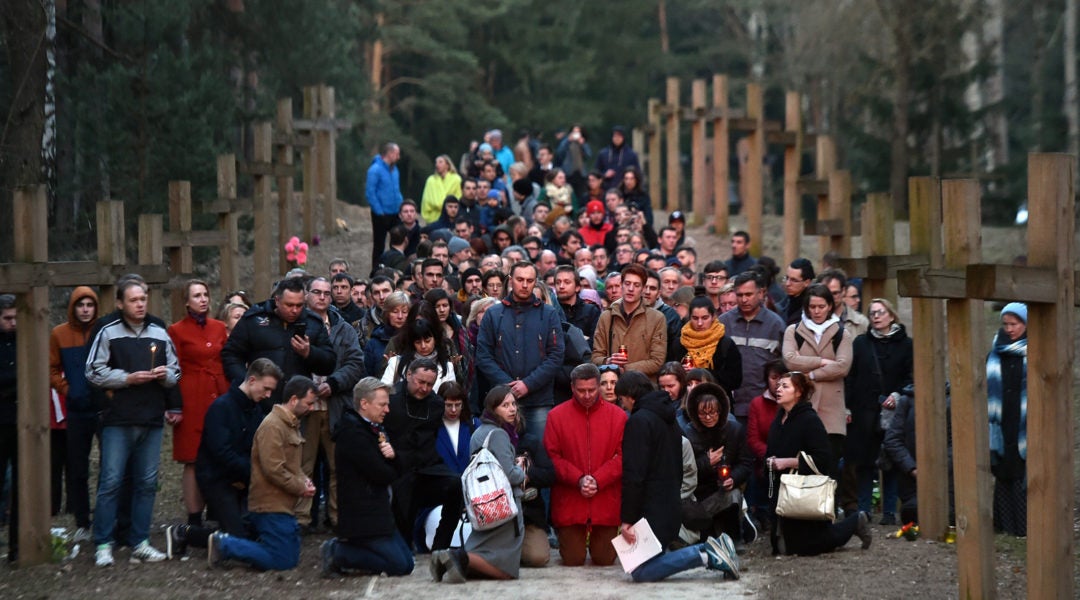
x: 489, y: 497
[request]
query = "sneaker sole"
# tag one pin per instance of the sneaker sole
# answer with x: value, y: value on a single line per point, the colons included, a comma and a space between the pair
x: 727, y: 558
x: 748, y: 524
x: 729, y: 547
x: 169, y: 542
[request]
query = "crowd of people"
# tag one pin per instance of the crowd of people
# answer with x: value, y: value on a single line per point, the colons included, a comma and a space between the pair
x: 530, y: 307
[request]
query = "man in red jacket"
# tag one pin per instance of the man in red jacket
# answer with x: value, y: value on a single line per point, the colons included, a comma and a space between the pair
x: 584, y: 439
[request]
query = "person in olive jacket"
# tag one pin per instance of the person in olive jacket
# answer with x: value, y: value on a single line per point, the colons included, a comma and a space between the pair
x: 367, y: 539
x: 284, y: 330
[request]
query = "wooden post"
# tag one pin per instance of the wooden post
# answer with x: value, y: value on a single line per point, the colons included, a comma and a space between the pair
x: 180, y: 258
x: 325, y: 138
x: 261, y: 209
x: 654, y: 176
x: 674, y: 168
x: 840, y: 208
x: 792, y: 156
x: 284, y: 156
x: 309, y: 165
x: 878, y: 240
x: 697, y: 153
x: 971, y: 461
x: 928, y: 328
x: 754, y: 201
x: 227, y: 222
x: 825, y: 164
x: 31, y: 237
x: 637, y: 142
x: 151, y: 238
x: 111, y: 247
x: 721, y: 156
x: 1051, y: 244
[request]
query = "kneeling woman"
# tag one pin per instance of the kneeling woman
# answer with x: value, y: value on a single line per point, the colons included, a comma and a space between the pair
x: 795, y: 430
x: 494, y: 553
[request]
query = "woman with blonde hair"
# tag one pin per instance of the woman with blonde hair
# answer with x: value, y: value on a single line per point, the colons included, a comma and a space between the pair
x: 444, y: 182
x: 881, y: 367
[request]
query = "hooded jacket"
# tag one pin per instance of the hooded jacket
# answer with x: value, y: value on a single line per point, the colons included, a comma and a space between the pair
x: 261, y: 333
x: 726, y: 434
x: 436, y: 189
x: 522, y: 341
x: 68, y: 349
x: 652, y: 466
x: 585, y: 441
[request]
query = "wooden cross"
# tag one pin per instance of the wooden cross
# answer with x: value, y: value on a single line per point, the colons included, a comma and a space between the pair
x: 879, y: 271
x: 320, y: 159
x: 30, y: 278
x: 1048, y: 285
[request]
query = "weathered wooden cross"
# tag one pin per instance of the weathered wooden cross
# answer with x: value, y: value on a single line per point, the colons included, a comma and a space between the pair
x: 1047, y: 285
x: 30, y: 278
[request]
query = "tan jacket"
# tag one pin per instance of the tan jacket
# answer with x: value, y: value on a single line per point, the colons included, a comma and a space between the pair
x: 277, y: 481
x: 644, y: 332
x: 828, y: 398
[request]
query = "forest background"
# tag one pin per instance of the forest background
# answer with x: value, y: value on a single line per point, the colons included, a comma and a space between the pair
x: 114, y: 98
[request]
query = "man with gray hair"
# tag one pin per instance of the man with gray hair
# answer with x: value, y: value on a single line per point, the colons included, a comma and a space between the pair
x: 584, y: 437
x: 367, y: 464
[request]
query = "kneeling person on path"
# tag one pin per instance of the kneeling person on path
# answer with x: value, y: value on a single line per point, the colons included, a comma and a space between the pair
x: 584, y: 439
x: 367, y: 464
x: 277, y: 485
x: 223, y: 464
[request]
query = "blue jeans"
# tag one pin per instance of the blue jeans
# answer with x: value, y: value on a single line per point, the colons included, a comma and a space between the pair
x: 277, y: 547
x: 536, y: 421
x: 137, y: 448
x: 666, y: 564
x: 866, y: 476
x: 387, y: 554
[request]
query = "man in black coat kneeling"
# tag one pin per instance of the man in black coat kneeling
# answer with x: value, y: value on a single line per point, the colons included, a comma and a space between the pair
x: 367, y: 542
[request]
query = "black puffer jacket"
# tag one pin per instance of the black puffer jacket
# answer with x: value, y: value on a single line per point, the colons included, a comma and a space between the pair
x: 726, y: 434
x: 364, y: 476
x: 652, y: 466
x: 261, y: 333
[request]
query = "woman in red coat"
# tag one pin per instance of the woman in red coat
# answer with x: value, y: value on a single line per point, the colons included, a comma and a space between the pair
x: 198, y: 340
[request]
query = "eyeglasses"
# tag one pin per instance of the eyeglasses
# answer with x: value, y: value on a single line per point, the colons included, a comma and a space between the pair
x: 716, y: 278
x: 793, y: 280
x: 879, y: 312
x: 705, y: 414
x: 624, y: 251
x: 319, y: 292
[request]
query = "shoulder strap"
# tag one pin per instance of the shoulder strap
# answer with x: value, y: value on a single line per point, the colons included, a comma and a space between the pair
x: 810, y: 462
x: 799, y: 339
x: 486, y: 438
x: 839, y: 337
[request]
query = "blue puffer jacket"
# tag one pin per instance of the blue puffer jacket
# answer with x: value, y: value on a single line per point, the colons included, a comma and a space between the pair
x: 522, y: 341
x: 383, y: 189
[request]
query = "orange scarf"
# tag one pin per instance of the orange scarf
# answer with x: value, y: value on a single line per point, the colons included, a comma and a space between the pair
x: 701, y: 345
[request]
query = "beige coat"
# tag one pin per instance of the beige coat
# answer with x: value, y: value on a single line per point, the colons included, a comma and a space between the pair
x: 828, y: 398
x: 644, y: 332
x: 277, y: 481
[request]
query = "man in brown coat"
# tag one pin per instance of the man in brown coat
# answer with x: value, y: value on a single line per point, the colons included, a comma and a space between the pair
x: 628, y: 322
x: 277, y: 485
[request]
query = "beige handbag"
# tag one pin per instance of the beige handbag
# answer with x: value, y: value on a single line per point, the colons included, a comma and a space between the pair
x: 807, y: 497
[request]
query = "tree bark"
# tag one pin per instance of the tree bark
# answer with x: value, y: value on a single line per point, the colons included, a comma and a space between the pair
x: 898, y: 162
x: 23, y: 23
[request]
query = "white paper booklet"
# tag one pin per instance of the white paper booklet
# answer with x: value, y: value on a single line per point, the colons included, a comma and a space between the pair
x: 633, y: 555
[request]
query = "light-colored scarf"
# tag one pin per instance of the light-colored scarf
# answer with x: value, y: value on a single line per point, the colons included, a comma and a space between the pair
x: 995, y: 394
x: 819, y: 330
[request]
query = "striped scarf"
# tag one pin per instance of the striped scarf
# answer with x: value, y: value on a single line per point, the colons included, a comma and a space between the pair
x: 994, y: 391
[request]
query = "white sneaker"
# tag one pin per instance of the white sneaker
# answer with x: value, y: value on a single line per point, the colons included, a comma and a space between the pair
x: 82, y: 534
x: 144, y: 552
x: 103, y: 557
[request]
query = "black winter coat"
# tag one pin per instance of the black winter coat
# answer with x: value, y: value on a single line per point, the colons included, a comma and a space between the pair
x: 868, y: 380
x: 652, y: 466
x: 261, y: 333
x: 732, y: 437
x: 726, y: 362
x: 228, y: 431
x: 364, y: 476
x: 802, y: 432
x: 541, y: 474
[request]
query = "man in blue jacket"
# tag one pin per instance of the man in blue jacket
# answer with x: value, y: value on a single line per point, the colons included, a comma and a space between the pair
x: 383, y: 193
x: 521, y: 344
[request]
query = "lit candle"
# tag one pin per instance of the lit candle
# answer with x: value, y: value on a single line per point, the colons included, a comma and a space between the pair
x: 153, y: 352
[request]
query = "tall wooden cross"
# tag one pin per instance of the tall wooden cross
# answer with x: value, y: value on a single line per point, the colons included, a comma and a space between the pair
x: 1048, y: 285
x: 30, y: 278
